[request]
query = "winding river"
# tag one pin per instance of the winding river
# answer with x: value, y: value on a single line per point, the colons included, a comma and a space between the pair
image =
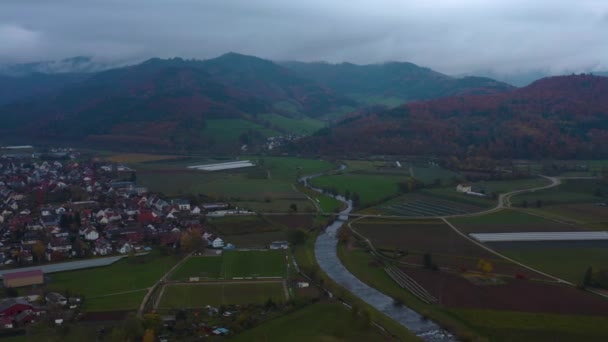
x: 326, y: 254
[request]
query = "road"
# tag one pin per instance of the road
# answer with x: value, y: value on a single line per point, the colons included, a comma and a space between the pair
x: 160, y: 282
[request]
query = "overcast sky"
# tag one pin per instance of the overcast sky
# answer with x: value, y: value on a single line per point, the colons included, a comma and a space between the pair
x: 447, y: 35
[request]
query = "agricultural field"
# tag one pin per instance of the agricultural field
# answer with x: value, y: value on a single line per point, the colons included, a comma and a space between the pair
x: 324, y: 321
x: 257, y: 240
x: 227, y: 185
x: 458, y: 298
x: 589, y: 215
x: 570, y: 191
x: 289, y: 169
x: 511, y: 185
x: 229, y: 130
x: 566, y: 260
x: 132, y: 158
x: 420, y: 205
x: 292, y: 221
x: 454, y: 291
x: 510, y: 221
x: 545, y: 327
x: 216, y: 294
x: 242, y: 264
x: 372, y: 188
x: 199, y: 266
x: 430, y: 175
x: 302, y: 126
x: 237, y: 225
x: 234, y: 264
x: 418, y: 237
x: 326, y: 203
x: 280, y: 205
x: 121, y: 301
x: 271, y: 179
x: 450, y: 194
x: 129, y: 274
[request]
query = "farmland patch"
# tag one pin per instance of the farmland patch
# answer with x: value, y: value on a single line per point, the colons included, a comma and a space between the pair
x: 216, y: 294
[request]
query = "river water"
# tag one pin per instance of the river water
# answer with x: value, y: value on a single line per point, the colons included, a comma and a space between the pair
x: 326, y: 254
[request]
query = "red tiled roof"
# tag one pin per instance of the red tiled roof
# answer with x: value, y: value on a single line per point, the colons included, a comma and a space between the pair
x: 23, y: 274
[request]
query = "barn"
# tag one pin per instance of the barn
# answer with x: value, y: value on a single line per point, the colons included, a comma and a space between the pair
x: 24, y: 278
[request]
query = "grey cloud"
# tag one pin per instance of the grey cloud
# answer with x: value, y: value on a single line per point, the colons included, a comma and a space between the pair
x: 448, y: 35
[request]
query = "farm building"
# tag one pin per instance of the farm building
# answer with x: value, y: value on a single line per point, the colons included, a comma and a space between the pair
x: 279, y: 245
x: 13, y: 306
x: 217, y: 243
x: 24, y: 278
x: 182, y: 204
x: 464, y: 187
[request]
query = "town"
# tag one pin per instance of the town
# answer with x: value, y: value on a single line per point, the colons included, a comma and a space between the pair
x: 60, y: 206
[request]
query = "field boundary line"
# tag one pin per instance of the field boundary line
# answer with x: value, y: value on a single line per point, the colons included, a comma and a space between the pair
x: 142, y: 306
x: 119, y: 293
x: 559, y: 280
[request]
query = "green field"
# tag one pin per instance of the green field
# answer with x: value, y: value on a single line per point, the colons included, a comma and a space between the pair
x: 257, y: 240
x: 237, y: 225
x: 511, y: 185
x: 217, y: 184
x: 517, y: 326
x: 272, y: 178
x: 129, y: 274
x: 277, y: 205
x: 229, y: 130
x: 237, y: 264
x: 302, y: 126
x: 569, y: 263
x: 289, y: 169
x: 372, y: 188
x: 429, y: 175
x: 570, y: 191
x: 216, y: 294
x: 326, y: 321
x: 504, y: 216
x: 123, y: 301
x: 199, y: 266
x: 327, y: 203
x: 234, y: 263
x: 450, y: 194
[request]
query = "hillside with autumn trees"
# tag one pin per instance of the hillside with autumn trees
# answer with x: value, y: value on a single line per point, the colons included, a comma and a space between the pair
x: 558, y: 117
x: 168, y: 103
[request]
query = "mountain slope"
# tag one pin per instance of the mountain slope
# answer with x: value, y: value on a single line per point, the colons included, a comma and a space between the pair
x: 394, y: 82
x: 14, y: 88
x: 169, y: 104
x: 557, y: 117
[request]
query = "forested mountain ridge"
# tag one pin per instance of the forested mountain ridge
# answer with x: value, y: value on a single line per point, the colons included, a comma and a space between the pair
x: 557, y: 117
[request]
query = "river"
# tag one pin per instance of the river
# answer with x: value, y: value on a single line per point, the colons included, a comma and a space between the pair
x: 326, y: 254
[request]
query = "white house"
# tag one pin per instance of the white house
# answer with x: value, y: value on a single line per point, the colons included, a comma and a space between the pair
x: 279, y: 245
x: 464, y: 187
x: 91, y: 234
x: 103, y: 247
x: 125, y: 248
x: 217, y: 243
x: 196, y: 211
x: 182, y: 205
